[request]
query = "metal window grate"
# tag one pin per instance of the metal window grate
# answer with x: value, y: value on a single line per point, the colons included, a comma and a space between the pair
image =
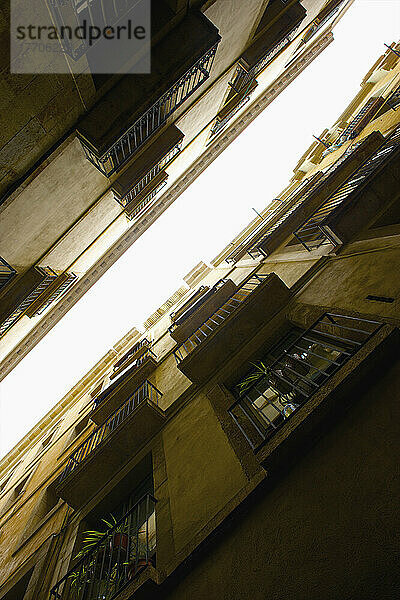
x: 218, y: 318
x: 146, y: 391
x: 141, y: 130
x: 298, y: 370
x: 120, y: 555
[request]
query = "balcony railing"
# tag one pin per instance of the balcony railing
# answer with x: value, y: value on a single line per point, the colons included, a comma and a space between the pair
x: 140, y: 186
x: 218, y: 318
x: 219, y: 125
x: 246, y: 246
x: 114, y: 382
x: 50, y: 276
x: 243, y: 77
x: 6, y: 273
x: 201, y: 295
x: 299, y: 371
x: 146, y: 391
x: 314, y: 232
x: 141, y: 130
x: 120, y: 555
x: 133, y: 350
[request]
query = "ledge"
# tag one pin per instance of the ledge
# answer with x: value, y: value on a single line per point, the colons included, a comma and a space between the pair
x: 254, y: 312
x: 98, y: 467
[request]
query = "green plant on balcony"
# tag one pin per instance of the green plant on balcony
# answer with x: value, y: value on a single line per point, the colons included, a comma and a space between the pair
x: 108, y: 554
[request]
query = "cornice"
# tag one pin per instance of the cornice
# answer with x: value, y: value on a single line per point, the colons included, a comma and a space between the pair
x: 165, y: 200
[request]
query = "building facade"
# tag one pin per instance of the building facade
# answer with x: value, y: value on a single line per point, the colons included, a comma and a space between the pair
x: 89, y: 162
x: 243, y: 445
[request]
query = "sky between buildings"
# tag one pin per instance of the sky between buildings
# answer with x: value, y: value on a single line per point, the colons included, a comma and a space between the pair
x: 249, y: 174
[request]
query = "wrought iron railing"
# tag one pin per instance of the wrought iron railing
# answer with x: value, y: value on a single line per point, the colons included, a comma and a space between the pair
x: 164, y: 162
x: 58, y: 293
x: 146, y: 202
x: 320, y: 22
x: 219, y: 125
x: 246, y: 246
x: 217, y: 319
x: 26, y: 302
x: 295, y: 373
x: 135, y: 348
x: 394, y: 99
x: 318, y: 184
x: 120, y: 555
x: 192, y: 304
x: 141, y: 130
x: 146, y: 391
x: 243, y: 78
x: 314, y: 232
x: 6, y: 273
x: 117, y: 379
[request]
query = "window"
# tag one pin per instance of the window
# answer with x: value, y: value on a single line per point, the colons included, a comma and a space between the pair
x: 293, y: 371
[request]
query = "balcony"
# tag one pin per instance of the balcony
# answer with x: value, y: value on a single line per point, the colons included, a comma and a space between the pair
x: 32, y: 293
x: 281, y: 231
x: 358, y: 202
x: 123, y: 552
x: 6, y: 273
x: 110, y: 446
x: 299, y: 369
x: 145, y: 174
x: 361, y: 120
x: 122, y: 384
x: 136, y: 107
x: 324, y: 16
x: 248, y: 309
x: 232, y: 107
x: 277, y: 29
x: 199, y: 308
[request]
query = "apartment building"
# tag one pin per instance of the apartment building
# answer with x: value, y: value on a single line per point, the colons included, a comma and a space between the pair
x: 243, y: 445
x: 88, y: 162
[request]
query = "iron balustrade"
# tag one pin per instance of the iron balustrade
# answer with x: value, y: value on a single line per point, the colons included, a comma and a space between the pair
x: 319, y: 183
x: 162, y: 164
x: 243, y: 77
x: 127, y: 355
x: 120, y: 555
x: 146, y: 391
x: 6, y: 273
x: 218, y: 318
x: 298, y: 372
x: 246, y: 246
x: 314, y: 232
x: 394, y: 99
x: 219, y: 125
x: 50, y: 276
x: 192, y: 306
x: 58, y: 293
x: 117, y: 380
x: 320, y: 22
x: 145, y: 203
x: 151, y: 120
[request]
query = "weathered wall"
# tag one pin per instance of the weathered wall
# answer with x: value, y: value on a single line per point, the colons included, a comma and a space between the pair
x: 326, y: 529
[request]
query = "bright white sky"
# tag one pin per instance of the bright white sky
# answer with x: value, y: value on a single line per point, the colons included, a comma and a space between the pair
x: 252, y: 171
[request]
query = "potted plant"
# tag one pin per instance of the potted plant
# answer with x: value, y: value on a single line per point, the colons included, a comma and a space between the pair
x: 112, y: 554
